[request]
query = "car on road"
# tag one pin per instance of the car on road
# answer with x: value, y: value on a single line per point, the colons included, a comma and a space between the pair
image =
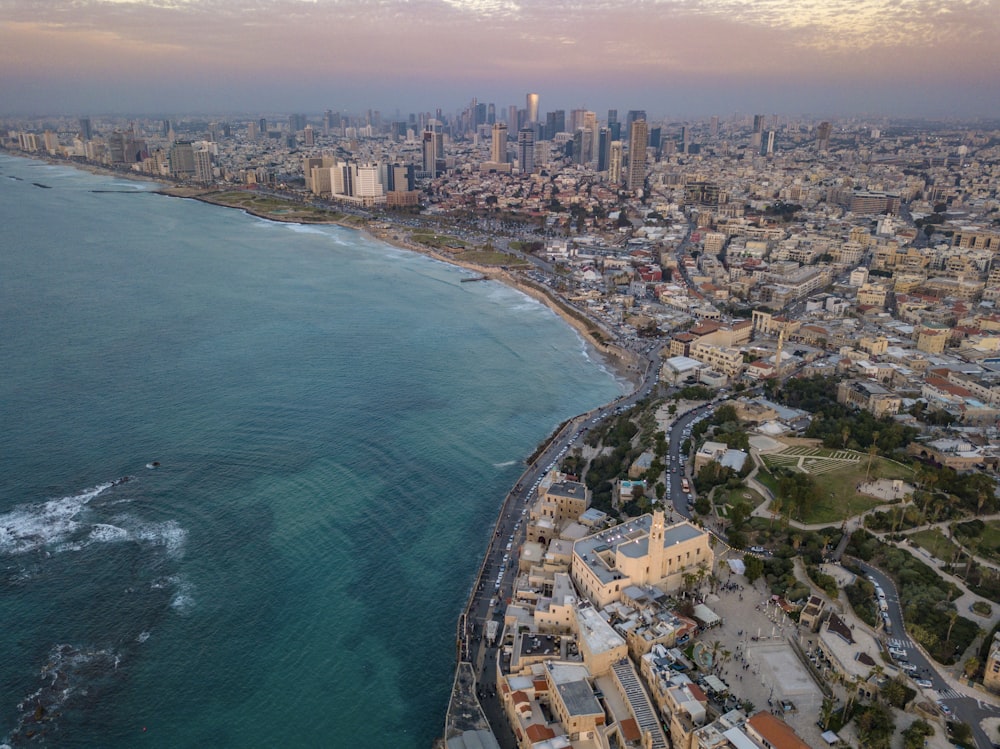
x: 923, y: 683
x: 944, y: 708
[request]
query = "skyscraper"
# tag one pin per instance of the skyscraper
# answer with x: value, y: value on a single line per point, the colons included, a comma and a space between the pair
x: 86, y: 131
x: 526, y: 149
x: 498, y: 150
x: 639, y: 136
x: 632, y: 116
x: 615, y: 162
x: 433, y: 148
x: 823, y: 136
x: 532, y: 107
x: 603, y: 149
x: 614, y: 125
x: 555, y: 122
x: 590, y: 123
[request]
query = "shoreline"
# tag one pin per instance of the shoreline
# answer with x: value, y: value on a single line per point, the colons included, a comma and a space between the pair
x: 620, y: 362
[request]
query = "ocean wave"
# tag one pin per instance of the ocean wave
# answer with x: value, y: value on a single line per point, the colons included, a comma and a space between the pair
x: 56, y: 526
x: 30, y: 527
x: 305, y: 229
x: 505, y: 464
x: 183, y: 600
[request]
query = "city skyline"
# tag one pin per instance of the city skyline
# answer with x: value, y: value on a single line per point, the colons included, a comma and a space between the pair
x: 688, y: 57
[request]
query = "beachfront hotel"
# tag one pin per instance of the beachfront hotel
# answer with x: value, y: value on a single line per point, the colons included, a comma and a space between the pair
x: 642, y: 551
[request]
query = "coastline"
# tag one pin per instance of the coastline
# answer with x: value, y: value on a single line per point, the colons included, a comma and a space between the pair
x: 619, y: 361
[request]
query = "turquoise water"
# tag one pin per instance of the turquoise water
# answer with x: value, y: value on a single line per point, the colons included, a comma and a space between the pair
x: 336, y: 423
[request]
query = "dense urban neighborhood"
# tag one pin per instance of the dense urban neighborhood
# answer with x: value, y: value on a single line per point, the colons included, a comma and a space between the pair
x: 788, y: 534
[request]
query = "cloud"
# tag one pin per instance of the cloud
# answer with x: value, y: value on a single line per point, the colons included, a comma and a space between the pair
x: 338, y: 44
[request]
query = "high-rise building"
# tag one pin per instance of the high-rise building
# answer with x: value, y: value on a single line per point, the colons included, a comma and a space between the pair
x: 615, y: 159
x: 491, y: 114
x: 590, y: 123
x: 603, y: 149
x: 512, y: 117
x: 768, y: 146
x: 555, y: 122
x: 713, y: 126
x: 823, y: 136
x: 526, y: 149
x: 614, y: 125
x: 296, y: 122
x: 433, y: 149
x: 182, y: 159
x: 308, y: 137
x: 262, y: 124
x: 632, y: 116
x: 532, y: 107
x: 203, y: 166
x: 638, y: 138
x: 86, y: 130
x: 583, y: 146
x: 498, y: 150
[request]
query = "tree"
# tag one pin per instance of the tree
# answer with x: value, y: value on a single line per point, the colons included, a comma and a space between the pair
x: 952, y: 618
x: 916, y: 734
x: 754, y: 567
x: 826, y: 711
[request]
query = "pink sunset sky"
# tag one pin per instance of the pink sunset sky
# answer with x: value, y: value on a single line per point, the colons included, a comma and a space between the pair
x: 670, y: 57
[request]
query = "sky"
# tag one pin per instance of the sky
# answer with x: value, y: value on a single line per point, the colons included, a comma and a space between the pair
x: 673, y: 58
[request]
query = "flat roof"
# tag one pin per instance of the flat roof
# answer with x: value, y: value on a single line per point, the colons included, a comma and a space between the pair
x: 578, y: 696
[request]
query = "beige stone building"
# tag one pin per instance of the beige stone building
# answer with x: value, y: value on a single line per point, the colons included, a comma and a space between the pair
x: 932, y: 340
x: 869, y: 396
x: 643, y: 551
x: 991, y: 672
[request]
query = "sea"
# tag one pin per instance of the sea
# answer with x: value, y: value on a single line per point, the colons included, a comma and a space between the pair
x: 248, y: 469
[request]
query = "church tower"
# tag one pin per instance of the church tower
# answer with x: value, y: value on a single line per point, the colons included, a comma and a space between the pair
x: 656, y: 570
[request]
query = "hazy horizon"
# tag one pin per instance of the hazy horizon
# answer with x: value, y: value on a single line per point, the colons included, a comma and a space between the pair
x: 676, y: 58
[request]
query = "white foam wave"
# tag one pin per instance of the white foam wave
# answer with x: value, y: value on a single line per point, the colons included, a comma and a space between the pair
x: 504, y: 464
x: 168, y: 534
x: 56, y: 525
x: 106, y: 533
x: 305, y: 229
x: 143, y: 636
x: 183, y: 600
x: 31, y: 527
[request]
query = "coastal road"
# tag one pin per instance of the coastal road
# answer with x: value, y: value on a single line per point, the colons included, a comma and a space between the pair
x: 494, y: 587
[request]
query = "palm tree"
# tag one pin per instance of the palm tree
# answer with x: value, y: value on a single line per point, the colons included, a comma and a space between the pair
x: 952, y: 618
x: 872, y: 451
x: 826, y: 711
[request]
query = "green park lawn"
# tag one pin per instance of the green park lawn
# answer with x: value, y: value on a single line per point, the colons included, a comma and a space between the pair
x: 837, y: 481
x: 725, y: 499
x: 936, y: 543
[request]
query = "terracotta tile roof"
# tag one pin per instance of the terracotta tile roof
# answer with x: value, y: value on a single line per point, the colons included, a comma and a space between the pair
x: 630, y: 730
x: 777, y: 733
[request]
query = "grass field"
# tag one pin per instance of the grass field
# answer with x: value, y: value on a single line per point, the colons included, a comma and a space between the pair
x: 936, y: 543
x: 437, y: 241
x: 726, y: 499
x: 838, y: 473
x: 263, y: 205
x: 490, y: 257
